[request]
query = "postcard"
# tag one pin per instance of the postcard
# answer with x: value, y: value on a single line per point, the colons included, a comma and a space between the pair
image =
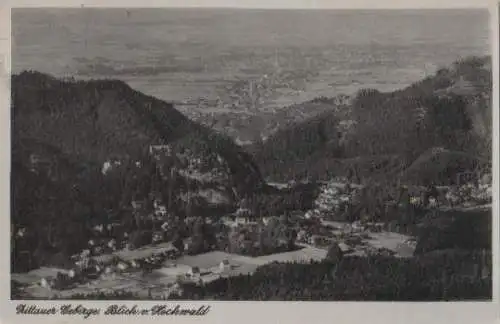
x: 235, y: 162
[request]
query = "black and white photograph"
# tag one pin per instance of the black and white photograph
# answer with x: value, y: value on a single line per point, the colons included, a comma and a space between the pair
x: 229, y: 154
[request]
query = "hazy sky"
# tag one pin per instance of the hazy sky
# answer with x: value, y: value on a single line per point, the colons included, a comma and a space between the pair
x: 311, y: 4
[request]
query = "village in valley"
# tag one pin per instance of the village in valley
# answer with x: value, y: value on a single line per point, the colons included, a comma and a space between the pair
x: 299, y: 155
x: 158, y: 263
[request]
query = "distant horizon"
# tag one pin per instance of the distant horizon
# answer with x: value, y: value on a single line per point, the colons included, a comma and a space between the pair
x: 185, y: 53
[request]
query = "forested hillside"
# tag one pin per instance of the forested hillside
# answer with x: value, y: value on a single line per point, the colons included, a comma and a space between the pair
x: 81, y: 156
x: 382, y: 134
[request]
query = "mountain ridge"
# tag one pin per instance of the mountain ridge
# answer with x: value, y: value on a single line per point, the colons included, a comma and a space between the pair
x: 450, y: 109
x: 81, y: 155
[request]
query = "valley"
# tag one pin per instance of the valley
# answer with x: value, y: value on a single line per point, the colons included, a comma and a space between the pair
x: 118, y: 195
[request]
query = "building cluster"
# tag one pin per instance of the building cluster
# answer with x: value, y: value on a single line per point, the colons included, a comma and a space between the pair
x: 107, y: 238
x: 87, y: 268
x: 470, y: 193
x: 200, y: 275
x: 332, y: 200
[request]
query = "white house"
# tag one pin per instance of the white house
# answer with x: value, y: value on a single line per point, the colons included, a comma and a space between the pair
x: 99, y: 228
x: 241, y: 220
x: 122, y: 266
x: 157, y: 237
x: 220, y: 159
x: 265, y: 220
x: 161, y: 210
x: 224, y: 265
x: 112, y: 243
x: 307, y: 215
x: 21, y: 232
x: 106, y: 167
x: 357, y: 226
x: 415, y: 200
x: 109, y: 270
x: 71, y: 273
x: 433, y: 202
x: 301, y: 235
x: 164, y: 226
x: 137, y: 204
x: 46, y: 283
x: 109, y: 165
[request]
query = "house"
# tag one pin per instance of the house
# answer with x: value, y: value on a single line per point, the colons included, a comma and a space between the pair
x: 158, y: 150
x: 157, y: 237
x: 252, y: 226
x: 265, y: 220
x: 161, y: 211
x: 21, y: 232
x: 47, y: 283
x: 307, y: 215
x: 187, y: 244
x: 112, y: 226
x: 99, y: 228
x: 318, y: 240
x: 80, y: 264
x: 301, y: 235
x: 224, y: 265
x: 415, y: 200
x: 122, y: 266
x: 112, y: 244
x: 357, y: 226
x: 486, y: 179
x: 244, y: 221
x: 109, y: 165
x: 227, y: 219
x: 72, y: 273
x: 234, y: 225
x: 106, y: 167
x: 164, y: 226
x: 137, y: 205
x: 433, y: 202
x: 194, y: 271
x: 38, y: 162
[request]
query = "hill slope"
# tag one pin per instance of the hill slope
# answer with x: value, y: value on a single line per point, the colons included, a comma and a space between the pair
x: 81, y: 155
x: 384, y: 133
x: 98, y: 120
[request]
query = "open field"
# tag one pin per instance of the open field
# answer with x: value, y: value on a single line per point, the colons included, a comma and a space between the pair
x: 36, y: 275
